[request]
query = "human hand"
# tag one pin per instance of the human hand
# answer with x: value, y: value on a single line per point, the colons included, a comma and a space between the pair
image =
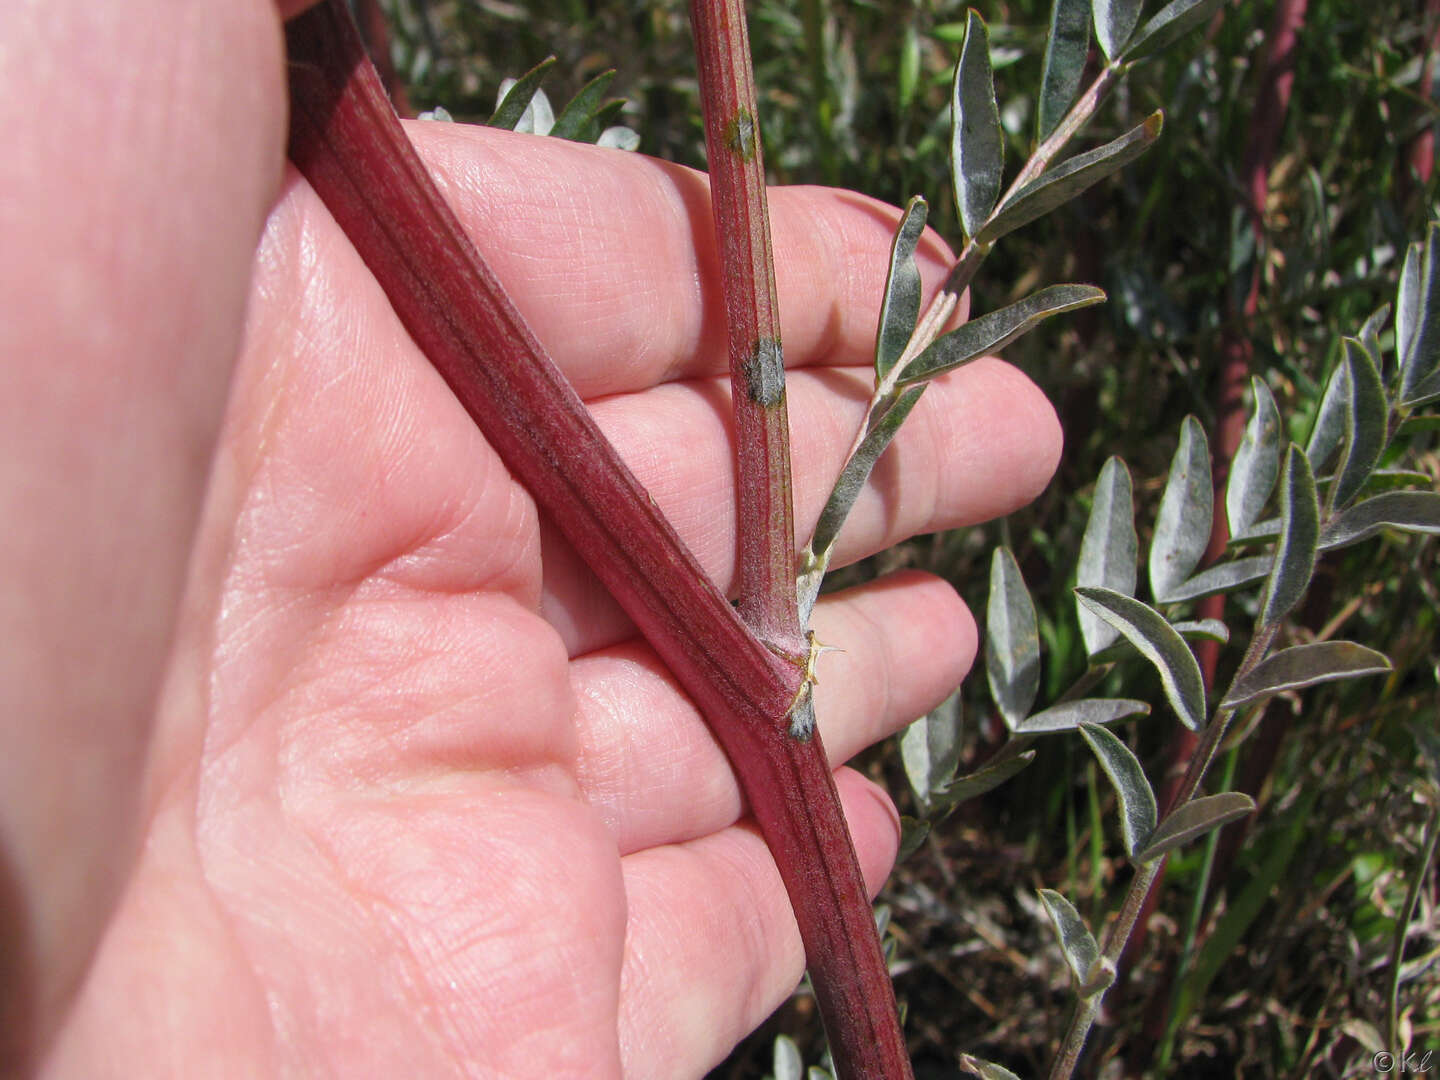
x: 414, y: 799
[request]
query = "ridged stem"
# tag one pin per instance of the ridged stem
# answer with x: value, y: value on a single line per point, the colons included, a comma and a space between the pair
x: 847, y: 966
x: 347, y: 142
x: 736, y: 160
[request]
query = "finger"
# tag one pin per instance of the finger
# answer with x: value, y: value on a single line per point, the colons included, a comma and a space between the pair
x: 982, y: 442
x: 711, y: 945
x: 610, y: 256
x: 648, y: 763
x: 129, y: 223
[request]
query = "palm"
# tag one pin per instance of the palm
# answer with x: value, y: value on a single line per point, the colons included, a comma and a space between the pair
x: 422, y: 803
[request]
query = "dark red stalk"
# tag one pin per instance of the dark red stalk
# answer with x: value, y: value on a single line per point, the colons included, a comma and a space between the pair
x: 375, y: 32
x: 752, y: 322
x: 1421, y: 152
x: 346, y: 141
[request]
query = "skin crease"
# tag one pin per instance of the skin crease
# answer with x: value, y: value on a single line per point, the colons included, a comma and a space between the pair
x: 324, y: 757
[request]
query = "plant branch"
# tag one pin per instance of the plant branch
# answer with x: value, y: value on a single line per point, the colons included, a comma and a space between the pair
x: 1148, y: 874
x: 752, y: 320
x: 347, y: 142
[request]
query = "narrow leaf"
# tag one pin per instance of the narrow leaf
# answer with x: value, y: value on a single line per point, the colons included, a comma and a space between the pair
x: 1421, y: 357
x: 1418, y: 425
x: 996, y: 329
x: 516, y: 99
x: 1330, y: 420
x: 1068, y: 179
x: 1203, y: 630
x: 1108, y: 550
x: 1156, y: 640
x: 786, y: 1062
x: 986, y: 1070
x: 1407, y: 304
x: 1069, y: 715
x: 1182, y: 525
x: 1078, y: 945
x: 1408, y: 511
x: 977, y: 147
x: 913, y: 833
x: 1223, y: 577
x: 1137, y: 801
x: 1012, y: 642
x: 1195, y: 818
x: 1424, y: 393
x: 930, y: 749
x: 1394, y: 479
x: 1169, y: 24
x: 857, y: 470
x: 1305, y: 665
x: 1299, y: 538
x: 583, y: 108
x: 619, y: 137
x: 900, y: 307
x: 1066, y: 49
x: 1114, y: 23
x: 1370, y: 334
x: 908, y: 70
x: 1365, y: 427
x: 984, y: 779
x: 1257, y: 462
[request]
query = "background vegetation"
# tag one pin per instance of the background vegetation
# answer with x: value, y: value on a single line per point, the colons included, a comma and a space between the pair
x: 1290, y: 945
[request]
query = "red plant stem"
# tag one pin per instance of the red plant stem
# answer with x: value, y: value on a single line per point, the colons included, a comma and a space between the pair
x: 375, y: 32
x: 752, y: 322
x: 347, y: 142
x: 1422, y: 147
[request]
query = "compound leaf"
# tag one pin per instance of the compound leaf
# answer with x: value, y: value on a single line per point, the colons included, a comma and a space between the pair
x: 900, y: 308
x: 996, y: 329
x: 1257, y: 462
x: 930, y: 749
x: 977, y: 146
x: 1195, y: 818
x: 1066, y: 49
x: 1168, y: 25
x: 1408, y: 511
x: 1299, y: 538
x: 1305, y: 665
x: 1365, y: 426
x: 515, y: 99
x: 1114, y: 23
x: 1065, y: 181
x: 1108, y: 550
x: 1182, y: 525
x: 1156, y: 640
x: 1421, y: 356
x: 1078, y: 945
x: 1137, y: 800
x: 1069, y: 715
x: 1012, y: 642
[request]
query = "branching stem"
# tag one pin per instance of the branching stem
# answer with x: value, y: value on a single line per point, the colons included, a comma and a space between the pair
x: 1147, y: 874
x: 347, y: 142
